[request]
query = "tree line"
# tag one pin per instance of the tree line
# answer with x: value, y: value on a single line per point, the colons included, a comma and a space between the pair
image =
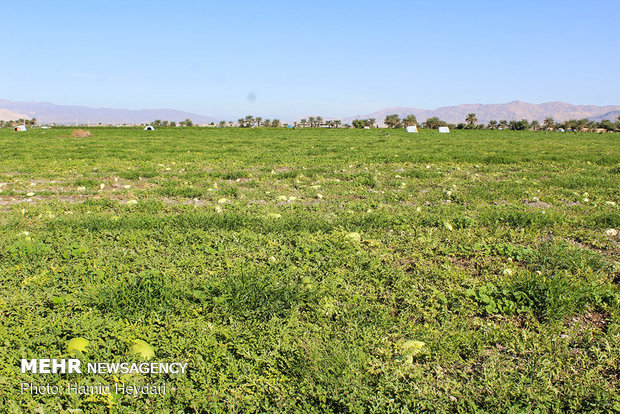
x: 391, y: 121
x: 21, y: 121
x: 471, y: 122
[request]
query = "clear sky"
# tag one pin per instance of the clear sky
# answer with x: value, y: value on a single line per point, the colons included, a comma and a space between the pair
x: 296, y: 58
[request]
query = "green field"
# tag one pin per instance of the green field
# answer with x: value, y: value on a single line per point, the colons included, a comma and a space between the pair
x: 293, y: 269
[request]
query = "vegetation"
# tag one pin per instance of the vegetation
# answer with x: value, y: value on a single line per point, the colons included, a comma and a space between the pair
x: 314, y: 270
x: 21, y: 121
x: 392, y: 121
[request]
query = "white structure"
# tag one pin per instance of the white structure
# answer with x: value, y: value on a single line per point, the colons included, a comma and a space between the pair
x: 412, y: 128
x: 20, y: 128
x: 444, y: 130
x: 149, y: 128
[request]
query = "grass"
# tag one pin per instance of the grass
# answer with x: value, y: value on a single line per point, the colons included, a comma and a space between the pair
x: 230, y: 249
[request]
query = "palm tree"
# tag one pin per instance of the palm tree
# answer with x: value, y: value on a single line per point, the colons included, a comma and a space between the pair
x: 535, y: 125
x: 312, y: 121
x: 492, y: 124
x: 392, y: 121
x: 410, y: 120
x: 336, y: 123
x: 503, y: 124
x: 267, y: 123
x: 303, y: 122
x: 548, y: 123
x: 471, y: 119
x: 434, y: 122
x: 258, y: 120
x: 275, y: 123
x: 319, y: 121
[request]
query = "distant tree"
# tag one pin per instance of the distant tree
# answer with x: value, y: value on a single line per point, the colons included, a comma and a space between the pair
x: 275, y: 123
x: 248, y: 121
x: 434, y: 122
x: 392, y: 121
x: 188, y: 122
x: 410, y: 120
x: 258, y: 120
x: 584, y: 125
x: 319, y: 121
x: 165, y: 123
x: 492, y: 124
x: 336, y: 123
x: 221, y: 124
x: 521, y: 125
x: 362, y: 123
x: 173, y: 123
x: 607, y: 125
x: 548, y: 123
x: 471, y: 119
x: 33, y: 121
x: 461, y: 125
x: 535, y: 125
x: 156, y: 123
x: 267, y: 123
x: 303, y: 122
x: 312, y: 121
x: 503, y: 124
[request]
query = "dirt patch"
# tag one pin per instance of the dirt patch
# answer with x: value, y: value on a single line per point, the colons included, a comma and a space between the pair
x: 81, y: 133
x: 589, y: 322
x: 537, y: 204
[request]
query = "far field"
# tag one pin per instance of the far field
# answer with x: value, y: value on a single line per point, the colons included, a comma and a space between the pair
x: 294, y: 270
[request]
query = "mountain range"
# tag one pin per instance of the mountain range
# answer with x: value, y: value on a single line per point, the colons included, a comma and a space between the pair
x: 47, y: 113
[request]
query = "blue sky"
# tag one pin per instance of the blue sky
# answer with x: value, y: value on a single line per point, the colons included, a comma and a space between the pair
x: 296, y: 58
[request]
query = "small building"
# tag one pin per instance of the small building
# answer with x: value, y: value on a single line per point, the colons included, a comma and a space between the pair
x: 149, y: 128
x: 20, y: 128
x: 444, y: 130
x: 412, y: 129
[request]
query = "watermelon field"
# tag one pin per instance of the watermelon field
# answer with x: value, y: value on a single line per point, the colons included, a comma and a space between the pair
x: 312, y: 270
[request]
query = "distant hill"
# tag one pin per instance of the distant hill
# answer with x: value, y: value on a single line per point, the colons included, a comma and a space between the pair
x: 6, y: 115
x: 68, y: 114
x: 48, y: 113
x: 612, y: 116
x: 515, y: 110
